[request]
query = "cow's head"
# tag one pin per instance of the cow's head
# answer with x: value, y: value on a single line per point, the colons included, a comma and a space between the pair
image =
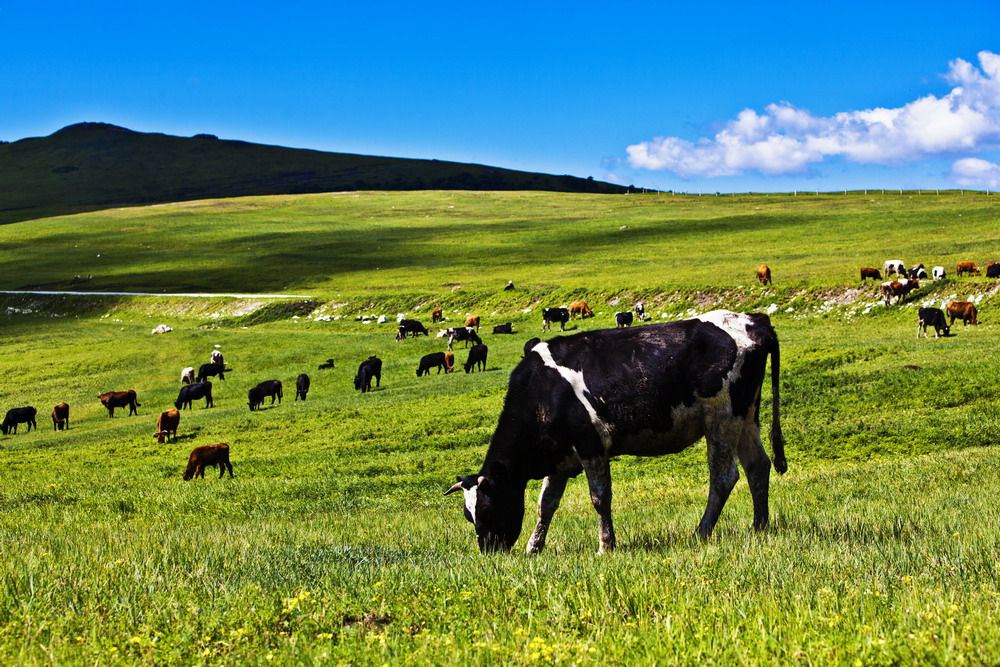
x: 494, y: 506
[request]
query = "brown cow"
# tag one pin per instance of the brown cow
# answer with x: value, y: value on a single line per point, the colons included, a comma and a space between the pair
x: 580, y: 308
x: 898, y: 288
x: 967, y: 267
x: 60, y: 417
x: 870, y: 272
x: 764, y: 274
x: 472, y: 321
x: 449, y: 362
x: 119, y: 399
x: 437, y: 315
x: 962, y: 310
x: 166, y: 423
x: 208, y: 455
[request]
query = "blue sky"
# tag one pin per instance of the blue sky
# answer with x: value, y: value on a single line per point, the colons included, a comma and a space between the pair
x: 683, y: 96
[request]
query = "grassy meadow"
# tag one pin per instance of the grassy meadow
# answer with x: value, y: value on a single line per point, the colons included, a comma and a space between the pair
x: 334, y: 544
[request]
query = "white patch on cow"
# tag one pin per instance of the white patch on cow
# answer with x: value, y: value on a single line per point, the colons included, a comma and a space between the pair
x: 471, y: 498
x: 734, y: 324
x: 579, y: 386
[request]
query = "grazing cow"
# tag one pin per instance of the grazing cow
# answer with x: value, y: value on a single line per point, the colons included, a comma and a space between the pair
x: 764, y: 274
x: 931, y: 317
x: 898, y: 288
x: 193, y: 392
x: 640, y: 312
x: 574, y: 403
x: 870, y: 272
x: 120, y: 399
x: 412, y: 327
x: 530, y: 343
x: 962, y: 310
x: 938, y: 273
x: 166, y: 424
x: 206, y: 371
x: 329, y: 364
x: 187, y: 375
x: 15, y: 416
x: 503, y: 329
x: 509, y: 287
x: 208, y: 455
x: 301, y: 386
x: 477, y: 358
x: 437, y: 315
x: 581, y: 309
x: 217, y: 358
x: 623, y: 319
x: 893, y: 266
x: 462, y: 333
x: 472, y: 321
x: 369, y: 368
x: 255, y: 397
x: 449, y: 362
x: 993, y: 270
x: 550, y: 315
x: 967, y: 267
x: 432, y: 360
x: 60, y: 417
x: 270, y: 388
x: 918, y: 272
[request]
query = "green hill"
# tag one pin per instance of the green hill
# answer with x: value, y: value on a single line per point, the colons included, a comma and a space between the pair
x: 96, y: 165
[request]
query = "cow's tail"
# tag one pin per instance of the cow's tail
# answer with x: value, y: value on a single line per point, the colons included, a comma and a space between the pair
x: 777, y: 439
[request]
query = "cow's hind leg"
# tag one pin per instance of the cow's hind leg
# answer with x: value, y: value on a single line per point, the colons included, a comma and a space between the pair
x: 553, y: 487
x: 757, y: 467
x: 723, y: 438
x: 599, y: 478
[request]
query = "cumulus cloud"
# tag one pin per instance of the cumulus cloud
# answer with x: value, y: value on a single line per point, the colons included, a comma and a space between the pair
x: 971, y: 172
x: 786, y: 139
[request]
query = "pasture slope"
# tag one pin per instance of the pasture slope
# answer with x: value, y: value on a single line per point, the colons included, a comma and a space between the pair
x: 333, y: 544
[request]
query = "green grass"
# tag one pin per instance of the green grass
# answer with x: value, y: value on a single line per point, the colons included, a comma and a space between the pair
x: 334, y: 542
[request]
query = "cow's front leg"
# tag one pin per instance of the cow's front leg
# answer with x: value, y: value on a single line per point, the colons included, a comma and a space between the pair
x: 599, y: 478
x: 553, y: 487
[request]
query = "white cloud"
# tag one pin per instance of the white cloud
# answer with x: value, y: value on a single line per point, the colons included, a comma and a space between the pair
x: 971, y: 172
x: 787, y: 140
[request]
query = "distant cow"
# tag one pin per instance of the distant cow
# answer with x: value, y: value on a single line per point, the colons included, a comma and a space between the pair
x: 640, y: 312
x: 301, y: 386
x: 870, y: 272
x: 120, y: 399
x: 206, y: 371
x: 462, y: 333
x: 15, y: 416
x: 432, y: 360
x: 962, y: 310
x: 369, y: 368
x: 60, y: 417
x: 472, y: 321
x: 208, y: 455
x: 931, y: 317
x: 166, y: 424
x: 255, y: 396
x: 270, y: 388
x: 993, y: 270
x: 187, y: 375
x: 193, y: 392
x: 967, y: 267
x: 893, y: 266
x: 509, y: 287
x: 530, y: 343
x: 217, y: 358
x: 550, y: 315
x: 411, y: 327
x: 623, y: 319
x: 329, y: 364
x: 449, y: 361
x: 503, y: 329
x: 581, y: 309
x: 764, y: 274
x: 938, y: 273
x: 918, y: 272
x: 437, y: 315
x: 477, y: 358
x: 898, y: 289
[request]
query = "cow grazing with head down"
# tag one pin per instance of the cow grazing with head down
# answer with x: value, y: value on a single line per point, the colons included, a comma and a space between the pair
x: 970, y: 268
x: 192, y: 392
x: 477, y: 358
x: 962, y: 310
x: 580, y: 309
x: 208, y: 455
x: 60, y: 417
x: 574, y: 403
x: 623, y: 319
x: 432, y: 360
x: 270, y: 388
x: 410, y: 327
x: 870, y: 272
x: 550, y: 315
x: 938, y: 273
x: 898, y: 289
x: 895, y: 266
x: 918, y: 272
x: 462, y: 333
x: 932, y: 317
x: 301, y: 386
x: 503, y: 329
x: 764, y: 274
x: 15, y: 416
x: 472, y: 321
x: 369, y: 368
x: 120, y: 399
x: 993, y: 270
x: 166, y: 424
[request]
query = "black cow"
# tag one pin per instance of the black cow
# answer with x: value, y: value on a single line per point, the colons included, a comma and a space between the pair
x: 463, y: 333
x: 369, y: 368
x: 477, y: 358
x: 993, y: 270
x: 17, y: 416
x: 192, y: 392
x: 412, y: 327
x: 503, y: 329
x: 932, y: 317
x: 623, y: 319
x: 267, y: 388
x: 530, y: 343
x: 329, y: 364
x: 550, y: 315
x: 429, y: 361
x: 301, y: 386
x: 206, y: 371
x: 575, y: 402
x: 255, y: 397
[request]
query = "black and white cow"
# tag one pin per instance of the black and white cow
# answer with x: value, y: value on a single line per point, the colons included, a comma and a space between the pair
x: 640, y: 311
x: 463, y: 333
x: 623, y: 319
x: 301, y: 386
x: 550, y: 315
x: 576, y: 402
x: 932, y: 317
x: 938, y: 273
